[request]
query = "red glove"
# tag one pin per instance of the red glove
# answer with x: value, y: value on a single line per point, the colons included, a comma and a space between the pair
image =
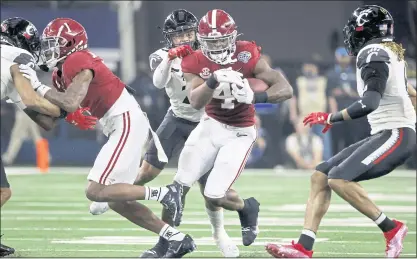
x: 179, y: 52
x: 57, y: 80
x: 318, y: 118
x: 82, y: 119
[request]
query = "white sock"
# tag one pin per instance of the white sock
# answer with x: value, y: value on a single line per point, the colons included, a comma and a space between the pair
x: 171, y: 234
x: 217, y: 220
x: 380, y: 218
x: 309, y: 233
x: 155, y: 194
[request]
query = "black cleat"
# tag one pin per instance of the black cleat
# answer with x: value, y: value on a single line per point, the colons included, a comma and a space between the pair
x: 173, y: 203
x: 157, y: 251
x: 249, y: 221
x: 178, y: 249
x: 5, y: 250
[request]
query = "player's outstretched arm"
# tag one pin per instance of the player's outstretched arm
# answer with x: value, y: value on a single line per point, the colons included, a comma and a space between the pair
x: 201, y: 91
x: 71, y: 99
x: 29, y: 97
x: 279, y: 88
x: 44, y: 121
x: 375, y: 76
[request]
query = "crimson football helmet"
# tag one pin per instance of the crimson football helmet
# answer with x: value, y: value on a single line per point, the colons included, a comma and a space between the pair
x: 60, y: 38
x: 217, y: 36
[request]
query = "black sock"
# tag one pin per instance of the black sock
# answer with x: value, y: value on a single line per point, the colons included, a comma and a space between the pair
x: 306, y: 240
x: 384, y: 223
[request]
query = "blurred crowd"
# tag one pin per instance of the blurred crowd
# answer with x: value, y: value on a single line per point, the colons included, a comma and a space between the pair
x: 283, y: 140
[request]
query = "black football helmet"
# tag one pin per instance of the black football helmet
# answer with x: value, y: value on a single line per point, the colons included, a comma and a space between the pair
x: 180, y: 21
x: 20, y: 33
x: 366, y: 23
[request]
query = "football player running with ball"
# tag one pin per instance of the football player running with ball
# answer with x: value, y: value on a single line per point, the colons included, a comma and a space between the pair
x: 225, y: 135
x: 382, y: 86
x: 81, y: 79
x: 180, y: 28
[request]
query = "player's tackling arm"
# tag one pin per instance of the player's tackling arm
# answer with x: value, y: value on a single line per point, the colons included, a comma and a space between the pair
x: 71, y: 99
x: 44, y: 121
x: 279, y: 88
x: 200, y: 93
x: 29, y: 97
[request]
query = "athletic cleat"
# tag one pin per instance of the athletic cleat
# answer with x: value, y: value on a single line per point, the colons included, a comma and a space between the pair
x: 158, y: 251
x: 394, y: 239
x: 5, y: 250
x: 288, y: 251
x: 172, y: 202
x: 226, y: 245
x: 249, y: 221
x: 98, y: 208
x: 178, y: 249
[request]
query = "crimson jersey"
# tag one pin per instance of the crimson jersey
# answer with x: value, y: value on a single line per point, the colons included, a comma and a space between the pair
x: 104, y: 89
x: 223, y: 107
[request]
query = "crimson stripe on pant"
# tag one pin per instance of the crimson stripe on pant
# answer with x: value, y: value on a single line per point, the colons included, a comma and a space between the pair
x: 119, y: 148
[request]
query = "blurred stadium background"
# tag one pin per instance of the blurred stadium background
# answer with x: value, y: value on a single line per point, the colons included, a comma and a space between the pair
x: 48, y: 214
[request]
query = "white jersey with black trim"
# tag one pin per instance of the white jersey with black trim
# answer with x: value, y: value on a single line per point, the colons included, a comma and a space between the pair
x: 395, y: 109
x: 176, y: 88
x: 9, y: 56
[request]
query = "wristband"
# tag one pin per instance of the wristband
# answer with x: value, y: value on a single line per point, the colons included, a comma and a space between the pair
x: 63, y: 114
x: 212, y: 82
x: 261, y: 97
x: 41, y: 90
x: 335, y: 117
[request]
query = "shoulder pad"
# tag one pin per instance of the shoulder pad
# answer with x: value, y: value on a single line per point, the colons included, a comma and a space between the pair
x: 25, y: 58
x: 372, y: 53
x: 156, y: 58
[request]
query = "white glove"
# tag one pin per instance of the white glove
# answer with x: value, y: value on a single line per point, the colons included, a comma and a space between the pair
x: 243, y: 95
x: 227, y: 75
x: 30, y: 74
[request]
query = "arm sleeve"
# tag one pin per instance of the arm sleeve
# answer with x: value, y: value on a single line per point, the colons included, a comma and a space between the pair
x: 375, y: 76
x: 161, y: 67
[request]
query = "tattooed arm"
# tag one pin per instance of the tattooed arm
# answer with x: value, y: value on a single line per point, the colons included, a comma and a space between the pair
x: 71, y: 99
x: 279, y: 88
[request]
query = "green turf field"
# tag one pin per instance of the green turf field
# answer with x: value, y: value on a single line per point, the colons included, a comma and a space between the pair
x: 48, y: 217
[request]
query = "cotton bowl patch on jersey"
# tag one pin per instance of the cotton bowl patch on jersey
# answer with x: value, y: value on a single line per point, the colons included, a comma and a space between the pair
x: 244, y: 56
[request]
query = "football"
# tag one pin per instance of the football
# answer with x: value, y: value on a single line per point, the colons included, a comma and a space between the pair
x: 257, y: 85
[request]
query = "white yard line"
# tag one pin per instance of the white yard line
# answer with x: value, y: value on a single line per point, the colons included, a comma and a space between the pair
x: 119, y: 230
x: 172, y: 171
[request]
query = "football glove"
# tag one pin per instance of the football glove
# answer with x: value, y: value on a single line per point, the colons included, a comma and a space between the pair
x: 227, y: 75
x: 321, y: 118
x: 244, y: 94
x: 30, y: 74
x: 179, y: 52
x: 82, y: 119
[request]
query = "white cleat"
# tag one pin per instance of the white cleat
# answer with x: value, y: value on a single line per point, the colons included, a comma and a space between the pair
x: 98, y: 208
x: 226, y: 245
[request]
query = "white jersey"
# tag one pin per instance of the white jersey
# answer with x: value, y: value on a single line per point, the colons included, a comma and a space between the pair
x: 395, y: 109
x: 176, y: 88
x: 9, y: 56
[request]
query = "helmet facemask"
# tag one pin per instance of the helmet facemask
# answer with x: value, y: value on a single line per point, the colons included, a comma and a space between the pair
x: 219, y: 49
x: 51, y: 47
x: 182, y: 37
